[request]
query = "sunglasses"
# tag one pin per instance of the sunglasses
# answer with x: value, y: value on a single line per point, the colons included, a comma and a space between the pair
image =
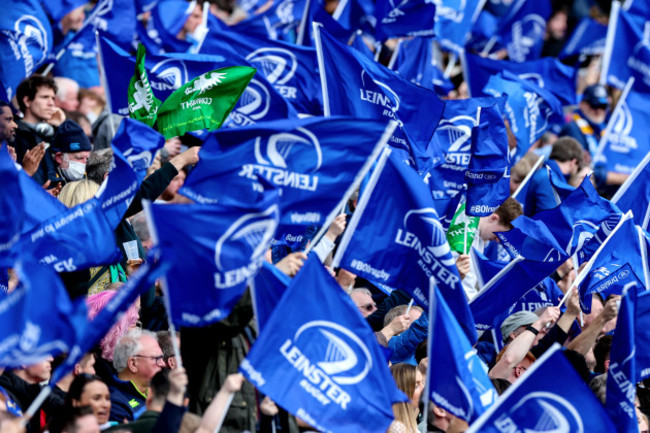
x: 368, y: 307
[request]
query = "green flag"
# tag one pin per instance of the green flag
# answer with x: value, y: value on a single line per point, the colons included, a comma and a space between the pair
x: 456, y: 232
x: 143, y: 105
x: 204, y: 102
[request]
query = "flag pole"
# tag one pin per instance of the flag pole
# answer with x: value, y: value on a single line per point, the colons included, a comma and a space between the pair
x: 224, y: 412
x: 432, y: 316
x: 450, y: 65
x: 393, y: 57
x: 321, y: 67
x: 609, y: 42
x: 36, y: 404
x: 530, y: 174
x: 104, y: 82
x: 465, y: 70
x: 408, y: 309
x: 619, y: 106
x: 353, y: 36
x: 303, y: 24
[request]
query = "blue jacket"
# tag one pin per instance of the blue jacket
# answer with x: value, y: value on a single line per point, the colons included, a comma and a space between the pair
x: 127, y: 402
x: 403, y: 345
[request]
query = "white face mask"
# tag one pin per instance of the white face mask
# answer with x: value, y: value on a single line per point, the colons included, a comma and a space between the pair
x: 75, y: 170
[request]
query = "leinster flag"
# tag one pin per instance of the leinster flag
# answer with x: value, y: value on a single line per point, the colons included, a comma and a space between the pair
x: 634, y: 194
x: 307, y: 159
x: 381, y: 94
x: 551, y: 396
x: 488, y: 173
x: 269, y: 287
x: 454, y: 20
x: 523, y: 29
x: 396, y: 239
x: 414, y: 60
x: 587, y: 39
x: 216, y: 249
x: 11, y: 205
x: 321, y: 361
x: 403, y: 18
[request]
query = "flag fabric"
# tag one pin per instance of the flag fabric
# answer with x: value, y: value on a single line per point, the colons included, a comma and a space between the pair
x: 592, y: 245
x: 587, y: 39
x: 529, y: 108
x: 281, y: 21
x: 621, y: 259
x: 624, y: 372
x: 462, y: 231
x: 291, y: 69
x: 217, y: 248
x: 76, y: 239
x: 38, y: 317
x: 12, y: 207
x: 629, y: 51
x: 416, y: 62
x: 204, y: 102
x: 395, y: 238
x: 143, y: 104
x: 304, y: 158
x: 488, y: 173
x: 453, y: 137
x: 94, y: 330
x: 41, y: 205
x: 25, y: 42
x: 321, y: 361
x: 404, y: 18
x: 134, y: 148
x: 116, y: 18
x: 523, y: 29
x: 625, y: 144
x: 57, y: 9
x: 356, y: 14
x: 458, y: 382
x: 382, y: 94
x: 454, y: 21
x: 551, y: 394
x: 270, y: 285
x: 547, y: 73
x: 634, y: 194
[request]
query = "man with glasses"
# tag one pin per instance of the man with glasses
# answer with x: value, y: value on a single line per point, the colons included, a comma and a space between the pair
x: 137, y: 357
x: 362, y: 298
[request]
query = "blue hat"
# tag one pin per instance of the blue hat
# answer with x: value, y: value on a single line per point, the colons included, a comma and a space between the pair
x: 596, y: 96
x: 69, y: 137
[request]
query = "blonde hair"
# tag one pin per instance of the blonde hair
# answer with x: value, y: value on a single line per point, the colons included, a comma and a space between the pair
x: 404, y: 376
x: 74, y: 193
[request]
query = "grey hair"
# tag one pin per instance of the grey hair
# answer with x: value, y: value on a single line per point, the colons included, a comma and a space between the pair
x: 99, y: 163
x: 398, y: 311
x: 139, y: 224
x: 64, y: 86
x: 128, y: 346
x: 599, y: 386
x: 361, y: 290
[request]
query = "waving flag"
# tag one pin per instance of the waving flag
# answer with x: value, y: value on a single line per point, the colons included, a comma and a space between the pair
x: 95, y: 330
x: 548, y: 73
x: 523, y: 29
x: 281, y: 21
x: 143, y: 104
x: 305, y: 158
x: 462, y: 231
x: 400, y: 18
x: 356, y: 14
x: 458, y: 382
x: 382, y: 94
x: 38, y: 317
x: 217, y: 248
x: 12, y: 205
x: 415, y: 61
x: 552, y: 395
x: 321, y: 361
x: 116, y: 18
x: 204, y: 102
x: 41, y: 205
x: 488, y: 173
x: 454, y: 21
x: 587, y: 39
x: 634, y: 194
x: 395, y: 238
x: 134, y: 148
x: 270, y: 286
x: 529, y: 108
x: 25, y: 42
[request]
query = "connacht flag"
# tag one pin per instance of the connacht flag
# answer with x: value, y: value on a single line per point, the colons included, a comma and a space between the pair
x: 462, y: 231
x: 204, y: 102
x: 143, y: 105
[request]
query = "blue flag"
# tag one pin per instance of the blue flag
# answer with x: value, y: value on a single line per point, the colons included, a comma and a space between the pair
x: 41, y: 205
x: 217, y: 248
x: 403, y: 18
x: 454, y: 20
x: 529, y: 108
x: 12, y: 205
x: 382, y: 94
x: 634, y: 194
x: 270, y: 285
x: 630, y: 54
x: 93, y: 331
x: 453, y: 137
x: 548, y: 73
x: 621, y: 259
x: 116, y: 18
x: 57, y: 9
x: 38, y: 317
x: 291, y: 69
x: 523, y: 29
x: 306, y: 158
x: 281, y: 21
x: 588, y: 39
x: 415, y: 61
x: 395, y: 238
x: 624, y: 364
x: 134, y: 147
x: 356, y: 14
x: 458, y: 380
x: 625, y: 145
x: 488, y: 173
x: 25, y: 42
x: 321, y: 361
x: 551, y: 395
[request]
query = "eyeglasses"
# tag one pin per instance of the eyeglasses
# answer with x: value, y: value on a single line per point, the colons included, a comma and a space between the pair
x: 368, y: 307
x: 155, y: 359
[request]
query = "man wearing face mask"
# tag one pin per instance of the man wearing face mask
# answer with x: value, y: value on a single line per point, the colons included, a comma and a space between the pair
x: 70, y: 150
